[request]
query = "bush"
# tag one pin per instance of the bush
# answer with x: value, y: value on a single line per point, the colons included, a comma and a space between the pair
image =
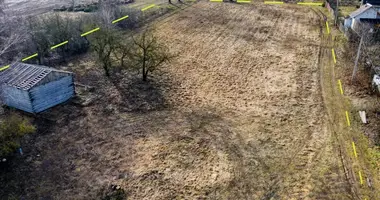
x: 113, y: 193
x: 78, y: 45
x: 12, y: 129
x: 49, y: 30
x: 91, y: 8
x: 134, y: 17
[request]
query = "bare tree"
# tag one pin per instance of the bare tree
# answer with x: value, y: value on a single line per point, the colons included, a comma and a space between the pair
x: 48, y: 30
x: 104, y: 43
x: 73, y: 4
x: 123, y: 52
x: 12, y: 34
x: 148, y: 54
x: 2, y: 7
x: 365, y: 32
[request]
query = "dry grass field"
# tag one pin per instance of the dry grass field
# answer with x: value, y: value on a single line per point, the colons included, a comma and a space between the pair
x: 238, y: 114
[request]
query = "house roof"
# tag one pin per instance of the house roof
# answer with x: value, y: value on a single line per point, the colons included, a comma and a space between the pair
x: 372, y: 2
x: 25, y: 76
x: 361, y: 10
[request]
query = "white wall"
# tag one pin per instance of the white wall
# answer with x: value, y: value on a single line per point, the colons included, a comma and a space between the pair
x: 347, y: 22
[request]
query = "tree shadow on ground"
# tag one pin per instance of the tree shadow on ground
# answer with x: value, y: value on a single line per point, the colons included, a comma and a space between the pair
x: 140, y: 96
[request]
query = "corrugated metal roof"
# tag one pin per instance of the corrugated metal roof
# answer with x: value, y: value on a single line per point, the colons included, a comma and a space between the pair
x: 360, y: 10
x: 24, y: 76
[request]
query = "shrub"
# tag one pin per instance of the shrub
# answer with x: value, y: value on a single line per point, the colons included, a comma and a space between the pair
x: 12, y: 129
x: 48, y: 30
x: 91, y: 8
x: 113, y: 193
x: 134, y: 17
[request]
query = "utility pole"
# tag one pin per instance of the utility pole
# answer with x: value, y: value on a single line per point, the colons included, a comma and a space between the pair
x: 357, y: 58
x: 336, y: 13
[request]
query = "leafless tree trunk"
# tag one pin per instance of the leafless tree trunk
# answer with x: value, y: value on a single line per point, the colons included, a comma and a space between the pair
x: 148, y: 53
x: 104, y: 43
x: 2, y: 6
x: 357, y: 59
x: 73, y: 4
x: 365, y: 32
x: 336, y: 13
x: 12, y: 33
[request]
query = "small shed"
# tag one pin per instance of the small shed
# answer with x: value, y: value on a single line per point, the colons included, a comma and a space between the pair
x: 365, y: 13
x: 372, y: 2
x: 35, y: 88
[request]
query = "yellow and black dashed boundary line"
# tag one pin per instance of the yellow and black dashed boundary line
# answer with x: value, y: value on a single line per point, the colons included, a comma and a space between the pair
x: 347, y: 116
x: 145, y: 9
x: 275, y: 2
x: 82, y: 35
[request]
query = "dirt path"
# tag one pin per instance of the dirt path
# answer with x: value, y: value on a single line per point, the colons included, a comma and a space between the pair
x: 337, y: 105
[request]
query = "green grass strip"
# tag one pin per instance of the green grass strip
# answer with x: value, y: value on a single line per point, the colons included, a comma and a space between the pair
x: 148, y: 7
x: 273, y: 2
x: 27, y: 58
x: 310, y: 4
x: 89, y: 32
x: 60, y: 44
x: 4, y: 68
x: 216, y: 0
x: 115, y: 21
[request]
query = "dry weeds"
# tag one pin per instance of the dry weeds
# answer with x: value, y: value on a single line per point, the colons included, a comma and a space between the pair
x: 240, y: 116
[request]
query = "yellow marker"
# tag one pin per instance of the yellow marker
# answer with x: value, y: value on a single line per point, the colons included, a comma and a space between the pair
x: 148, y: 7
x: 27, y: 58
x: 340, y: 87
x: 361, y: 178
x: 333, y: 54
x: 273, y: 2
x: 327, y: 27
x: 89, y: 32
x: 58, y: 45
x: 216, y: 0
x: 115, y: 21
x: 243, y: 1
x: 4, y: 68
x: 310, y: 4
x: 348, y: 119
x: 354, y: 148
